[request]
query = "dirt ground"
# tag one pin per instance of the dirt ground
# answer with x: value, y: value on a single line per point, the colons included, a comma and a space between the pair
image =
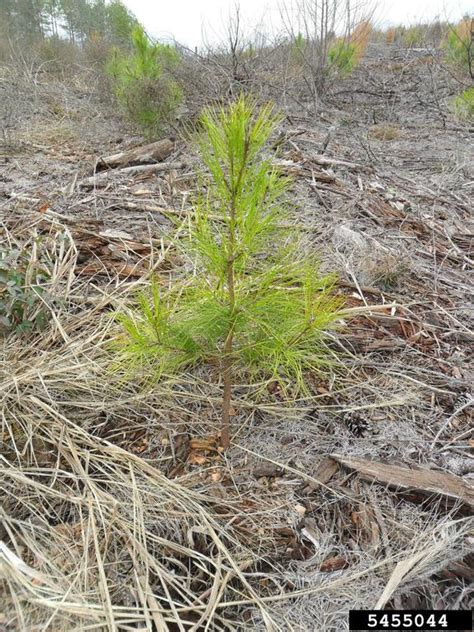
x: 383, y: 191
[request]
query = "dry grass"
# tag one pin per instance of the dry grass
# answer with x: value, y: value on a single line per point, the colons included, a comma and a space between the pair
x: 383, y: 131
x: 108, y: 523
x: 96, y: 537
x: 360, y: 38
x: 464, y: 29
x: 51, y: 134
x: 89, y: 527
x: 390, y: 35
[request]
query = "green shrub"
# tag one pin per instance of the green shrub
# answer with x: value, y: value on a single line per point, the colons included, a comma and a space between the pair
x: 142, y: 82
x: 342, y: 56
x: 249, y: 52
x: 298, y: 48
x: 255, y: 306
x: 22, y: 293
x: 459, y: 45
x: 463, y: 104
x: 413, y: 37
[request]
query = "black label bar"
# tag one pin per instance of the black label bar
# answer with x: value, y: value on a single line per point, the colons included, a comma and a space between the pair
x: 426, y: 620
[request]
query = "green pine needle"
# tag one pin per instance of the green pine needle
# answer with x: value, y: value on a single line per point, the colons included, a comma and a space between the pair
x: 281, y: 309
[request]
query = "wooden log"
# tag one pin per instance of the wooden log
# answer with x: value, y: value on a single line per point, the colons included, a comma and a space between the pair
x: 269, y: 470
x: 324, y: 161
x: 324, y: 472
x: 292, y: 168
x: 154, y: 152
x: 422, y: 481
x: 101, y: 178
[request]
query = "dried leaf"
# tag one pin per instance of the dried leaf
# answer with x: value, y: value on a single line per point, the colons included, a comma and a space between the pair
x: 333, y: 564
x: 216, y: 476
x: 206, y: 443
x: 196, y: 459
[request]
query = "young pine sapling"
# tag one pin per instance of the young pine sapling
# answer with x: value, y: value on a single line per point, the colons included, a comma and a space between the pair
x: 257, y: 306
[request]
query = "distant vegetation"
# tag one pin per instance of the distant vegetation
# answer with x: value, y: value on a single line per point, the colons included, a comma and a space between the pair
x: 463, y: 104
x: 342, y: 56
x: 459, y: 45
x: 142, y: 84
x: 78, y: 21
x: 415, y: 36
x: 453, y: 45
x: 150, y: 80
x: 58, y: 33
x: 345, y: 53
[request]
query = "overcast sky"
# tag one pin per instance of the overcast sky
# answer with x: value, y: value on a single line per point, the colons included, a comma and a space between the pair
x: 185, y: 20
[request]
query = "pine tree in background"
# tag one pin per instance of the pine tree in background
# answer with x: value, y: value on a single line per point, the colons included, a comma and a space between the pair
x: 142, y: 83
x: 28, y: 21
x: 120, y: 23
x: 22, y: 19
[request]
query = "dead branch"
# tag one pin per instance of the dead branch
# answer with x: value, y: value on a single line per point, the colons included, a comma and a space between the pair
x: 101, y: 178
x: 422, y: 481
x: 154, y: 152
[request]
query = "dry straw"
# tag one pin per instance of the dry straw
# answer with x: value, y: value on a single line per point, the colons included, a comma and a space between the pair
x: 94, y: 537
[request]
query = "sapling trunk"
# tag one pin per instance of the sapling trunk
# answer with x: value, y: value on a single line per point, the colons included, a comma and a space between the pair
x: 227, y: 359
x: 228, y: 345
x: 227, y: 393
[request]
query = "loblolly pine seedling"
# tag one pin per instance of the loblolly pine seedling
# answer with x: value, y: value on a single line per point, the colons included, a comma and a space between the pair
x: 256, y: 306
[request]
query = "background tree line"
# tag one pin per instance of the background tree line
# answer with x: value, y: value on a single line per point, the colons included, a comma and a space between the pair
x: 30, y: 21
x: 322, y: 42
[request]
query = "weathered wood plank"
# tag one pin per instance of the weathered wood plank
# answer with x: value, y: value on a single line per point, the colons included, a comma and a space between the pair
x: 421, y: 480
x: 101, y: 178
x: 154, y: 152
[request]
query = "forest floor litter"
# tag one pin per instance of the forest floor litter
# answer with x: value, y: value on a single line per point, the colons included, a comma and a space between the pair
x: 120, y: 509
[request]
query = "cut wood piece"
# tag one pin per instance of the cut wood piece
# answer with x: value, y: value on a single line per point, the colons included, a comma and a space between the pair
x: 332, y: 564
x: 324, y: 161
x: 101, y: 178
x: 269, y: 470
x: 292, y: 168
x: 464, y: 569
x: 111, y: 267
x: 154, y: 152
x: 322, y: 176
x: 422, y: 481
x: 325, y: 471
